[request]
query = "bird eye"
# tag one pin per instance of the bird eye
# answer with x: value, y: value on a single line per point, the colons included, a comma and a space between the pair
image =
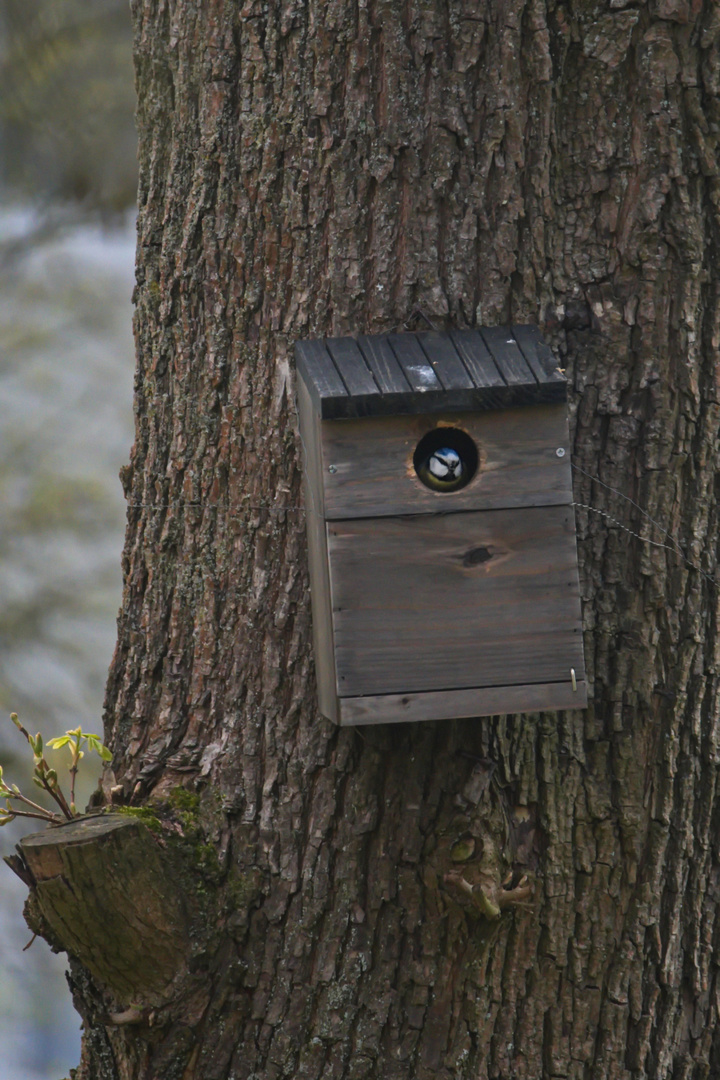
x: 446, y: 459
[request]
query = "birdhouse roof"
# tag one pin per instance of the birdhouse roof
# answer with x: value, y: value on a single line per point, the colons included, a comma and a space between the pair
x: 492, y: 367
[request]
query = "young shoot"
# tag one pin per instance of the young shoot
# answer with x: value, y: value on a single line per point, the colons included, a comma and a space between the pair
x: 74, y: 741
x: 18, y: 805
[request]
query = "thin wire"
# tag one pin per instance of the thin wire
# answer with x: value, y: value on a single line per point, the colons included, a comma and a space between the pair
x: 608, y: 487
x: 673, y: 546
x: 178, y: 504
x: 653, y: 543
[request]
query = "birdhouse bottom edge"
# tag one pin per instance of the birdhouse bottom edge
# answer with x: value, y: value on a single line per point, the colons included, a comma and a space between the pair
x: 458, y: 704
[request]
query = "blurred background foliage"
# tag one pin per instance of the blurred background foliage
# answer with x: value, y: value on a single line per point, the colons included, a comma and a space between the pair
x: 67, y: 195
x: 67, y: 102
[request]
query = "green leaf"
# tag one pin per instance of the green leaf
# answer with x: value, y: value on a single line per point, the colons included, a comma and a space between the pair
x: 94, y: 743
x: 38, y: 782
x: 60, y: 741
x: 5, y: 819
x: 16, y: 722
x: 38, y: 748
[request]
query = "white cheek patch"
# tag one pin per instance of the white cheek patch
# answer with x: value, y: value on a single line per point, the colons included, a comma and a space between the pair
x: 445, y: 464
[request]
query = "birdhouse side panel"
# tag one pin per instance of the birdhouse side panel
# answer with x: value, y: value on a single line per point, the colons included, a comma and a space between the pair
x: 368, y: 470
x: 318, y: 560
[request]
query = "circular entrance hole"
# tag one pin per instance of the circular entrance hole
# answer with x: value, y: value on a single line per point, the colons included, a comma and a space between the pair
x: 446, y: 459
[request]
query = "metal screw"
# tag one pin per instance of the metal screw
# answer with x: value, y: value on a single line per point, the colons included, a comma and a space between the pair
x: 333, y: 468
x: 560, y: 451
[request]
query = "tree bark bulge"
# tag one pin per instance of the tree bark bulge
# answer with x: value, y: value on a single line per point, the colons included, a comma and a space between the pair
x: 327, y: 167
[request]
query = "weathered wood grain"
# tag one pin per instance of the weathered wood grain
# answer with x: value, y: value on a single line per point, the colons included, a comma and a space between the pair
x: 352, y: 366
x: 318, y: 371
x: 537, y: 353
x: 451, y: 704
x: 383, y: 363
x: 446, y: 362
x: 459, y: 600
x: 393, y: 374
x: 507, y: 355
x: 415, y: 365
x: 477, y: 358
x: 338, y: 407
x: 374, y: 473
x: 322, y: 629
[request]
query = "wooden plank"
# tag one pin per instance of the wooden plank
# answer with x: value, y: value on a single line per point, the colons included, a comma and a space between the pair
x: 309, y: 429
x: 386, y: 387
x: 538, y: 354
x: 455, y: 601
x: 315, y: 367
x: 507, y: 355
x: 411, y: 403
x: 374, y: 473
x: 453, y: 704
x: 351, y: 364
x: 414, y: 363
x: 477, y: 358
x: 318, y: 562
x: 384, y: 365
x: 446, y: 363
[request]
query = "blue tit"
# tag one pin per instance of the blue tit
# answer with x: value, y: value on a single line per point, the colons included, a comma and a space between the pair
x: 443, y: 470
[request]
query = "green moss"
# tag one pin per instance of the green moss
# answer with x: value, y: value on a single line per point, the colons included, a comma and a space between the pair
x: 185, y: 806
x: 182, y: 799
x: 140, y: 813
x: 244, y: 888
x: 206, y: 861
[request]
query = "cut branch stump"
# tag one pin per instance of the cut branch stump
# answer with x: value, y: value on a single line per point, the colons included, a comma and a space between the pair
x: 106, y: 888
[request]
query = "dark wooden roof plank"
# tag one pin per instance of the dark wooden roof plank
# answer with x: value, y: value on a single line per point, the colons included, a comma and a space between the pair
x: 351, y: 364
x: 392, y: 375
x: 316, y: 366
x: 507, y: 355
x: 416, y: 367
x: 443, y: 356
x: 477, y: 358
x: 384, y: 364
x: 538, y: 354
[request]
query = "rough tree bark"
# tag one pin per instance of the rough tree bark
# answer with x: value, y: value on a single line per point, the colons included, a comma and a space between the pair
x: 329, y: 167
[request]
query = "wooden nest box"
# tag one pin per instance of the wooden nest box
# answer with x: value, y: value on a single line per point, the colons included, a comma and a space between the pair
x: 440, y: 525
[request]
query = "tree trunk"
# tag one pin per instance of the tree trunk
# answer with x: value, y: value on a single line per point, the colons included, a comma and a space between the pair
x: 329, y: 168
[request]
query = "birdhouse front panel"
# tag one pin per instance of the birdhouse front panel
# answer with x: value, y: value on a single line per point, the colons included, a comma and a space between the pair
x: 440, y: 527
